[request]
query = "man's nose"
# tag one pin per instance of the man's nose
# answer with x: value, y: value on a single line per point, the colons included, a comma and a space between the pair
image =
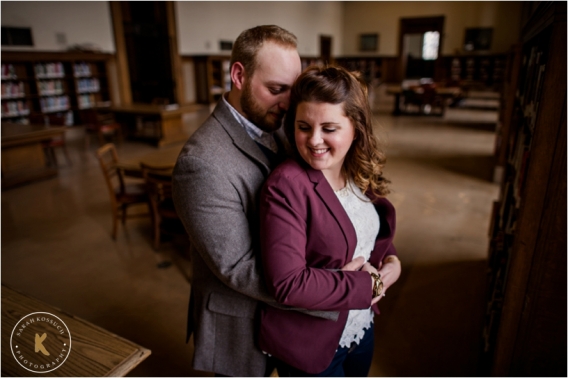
x: 284, y: 102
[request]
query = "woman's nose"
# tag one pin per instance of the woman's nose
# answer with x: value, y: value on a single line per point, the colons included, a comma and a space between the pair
x: 315, y: 138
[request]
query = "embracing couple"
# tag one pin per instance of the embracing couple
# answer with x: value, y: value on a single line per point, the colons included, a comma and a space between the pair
x: 282, y: 195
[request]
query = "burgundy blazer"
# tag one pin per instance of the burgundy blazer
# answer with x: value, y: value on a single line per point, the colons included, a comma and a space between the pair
x: 306, y: 238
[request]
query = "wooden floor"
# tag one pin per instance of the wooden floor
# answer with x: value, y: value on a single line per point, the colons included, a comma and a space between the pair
x: 56, y: 246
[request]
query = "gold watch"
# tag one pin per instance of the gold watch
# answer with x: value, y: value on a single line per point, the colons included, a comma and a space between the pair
x: 377, y: 285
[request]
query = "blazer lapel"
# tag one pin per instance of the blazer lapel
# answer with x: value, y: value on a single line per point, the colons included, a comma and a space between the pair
x: 240, y: 137
x: 329, y: 198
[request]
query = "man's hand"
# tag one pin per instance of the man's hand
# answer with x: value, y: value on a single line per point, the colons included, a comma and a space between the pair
x: 355, y: 264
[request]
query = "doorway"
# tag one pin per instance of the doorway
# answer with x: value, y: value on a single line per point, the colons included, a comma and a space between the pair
x: 148, y: 53
x: 325, y: 48
x: 146, y: 49
x: 419, y: 46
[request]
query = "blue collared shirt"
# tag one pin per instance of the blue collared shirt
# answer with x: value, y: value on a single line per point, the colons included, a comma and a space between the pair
x: 258, y: 135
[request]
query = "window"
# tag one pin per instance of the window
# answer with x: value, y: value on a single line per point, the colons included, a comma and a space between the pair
x: 430, y: 45
x: 12, y: 36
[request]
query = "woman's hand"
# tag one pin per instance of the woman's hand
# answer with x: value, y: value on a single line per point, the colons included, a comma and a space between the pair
x: 371, y: 269
x: 389, y: 269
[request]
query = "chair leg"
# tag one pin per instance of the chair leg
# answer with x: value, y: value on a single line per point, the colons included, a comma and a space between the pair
x: 124, y: 206
x: 101, y: 138
x: 66, y: 153
x: 119, y: 136
x: 114, y: 223
x: 157, y: 234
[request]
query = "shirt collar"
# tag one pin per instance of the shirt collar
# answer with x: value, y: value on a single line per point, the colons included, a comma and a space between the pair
x: 258, y: 135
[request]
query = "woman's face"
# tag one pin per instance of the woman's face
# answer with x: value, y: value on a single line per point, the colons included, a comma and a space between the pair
x: 323, y: 135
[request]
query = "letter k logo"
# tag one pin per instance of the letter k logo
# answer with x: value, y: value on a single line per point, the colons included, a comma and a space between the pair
x: 38, y: 344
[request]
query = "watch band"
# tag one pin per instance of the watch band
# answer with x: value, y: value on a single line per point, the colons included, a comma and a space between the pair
x: 377, y: 285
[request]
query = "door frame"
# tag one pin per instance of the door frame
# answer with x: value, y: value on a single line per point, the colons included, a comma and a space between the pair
x: 123, y: 72
x: 415, y: 25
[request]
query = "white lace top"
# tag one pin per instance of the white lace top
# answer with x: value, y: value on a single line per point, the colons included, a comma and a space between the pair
x: 365, y: 220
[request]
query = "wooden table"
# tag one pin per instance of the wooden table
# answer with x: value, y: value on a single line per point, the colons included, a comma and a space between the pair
x: 162, y: 158
x: 396, y: 90
x: 23, y: 158
x: 93, y: 351
x: 168, y: 119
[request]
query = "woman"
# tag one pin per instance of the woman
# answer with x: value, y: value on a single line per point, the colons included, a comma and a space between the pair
x: 319, y: 212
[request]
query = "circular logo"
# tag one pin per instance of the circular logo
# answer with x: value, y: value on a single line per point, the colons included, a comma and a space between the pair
x: 40, y: 342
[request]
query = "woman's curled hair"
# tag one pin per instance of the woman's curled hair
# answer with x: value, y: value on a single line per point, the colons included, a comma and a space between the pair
x: 335, y: 85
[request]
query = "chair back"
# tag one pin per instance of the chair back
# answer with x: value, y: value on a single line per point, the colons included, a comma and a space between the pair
x: 38, y: 119
x: 56, y: 120
x: 108, y: 160
x: 158, y: 181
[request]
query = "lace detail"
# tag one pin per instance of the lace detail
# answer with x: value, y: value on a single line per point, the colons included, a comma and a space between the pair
x: 343, y: 192
x: 365, y: 220
x: 357, y: 322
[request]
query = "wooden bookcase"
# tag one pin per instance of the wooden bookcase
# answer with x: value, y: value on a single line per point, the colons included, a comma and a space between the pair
x: 375, y: 70
x: 212, y: 77
x: 485, y: 71
x: 63, y: 83
x: 525, y: 327
x: 16, y: 101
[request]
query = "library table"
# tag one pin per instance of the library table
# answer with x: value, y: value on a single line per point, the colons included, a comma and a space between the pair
x: 444, y: 92
x: 168, y: 119
x: 23, y: 158
x: 93, y: 351
x: 163, y: 158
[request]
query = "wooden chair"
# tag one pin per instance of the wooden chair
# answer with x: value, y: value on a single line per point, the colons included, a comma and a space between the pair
x: 101, y: 123
x: 58, y: 142
x: 165, y: 219
x: 122, y: 195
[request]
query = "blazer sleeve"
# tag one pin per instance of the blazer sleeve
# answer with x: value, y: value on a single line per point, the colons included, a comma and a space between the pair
x: 284, y: 208
x: 212, y: 213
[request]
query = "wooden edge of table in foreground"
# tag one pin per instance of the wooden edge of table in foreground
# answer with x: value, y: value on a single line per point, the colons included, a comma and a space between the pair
x: 94, y: 350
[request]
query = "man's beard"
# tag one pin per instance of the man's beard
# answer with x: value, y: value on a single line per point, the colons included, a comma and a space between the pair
x: 254, y: 113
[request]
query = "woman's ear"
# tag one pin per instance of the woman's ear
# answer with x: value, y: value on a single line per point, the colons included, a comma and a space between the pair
x: 238, y: 75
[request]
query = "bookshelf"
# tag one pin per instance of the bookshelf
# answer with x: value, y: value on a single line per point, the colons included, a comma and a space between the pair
x: 485, y: 71
x: 212, y: 77
x: 374, y: 69
x: 525, y: 323
x: 15, y: 93
x: 53, y: 83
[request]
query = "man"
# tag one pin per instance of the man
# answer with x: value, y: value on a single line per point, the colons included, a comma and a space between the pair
x: 216, y: 183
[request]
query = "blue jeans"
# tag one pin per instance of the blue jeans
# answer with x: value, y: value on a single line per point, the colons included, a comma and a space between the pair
x: 347, y: 362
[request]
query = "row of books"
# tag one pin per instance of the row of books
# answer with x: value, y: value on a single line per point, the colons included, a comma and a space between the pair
x: 506, y: 211
x: 14, y: 109
x: 86, y: 101
x: 53, y: 104
x: 81, y: 69
x: 49, y: 70
x: 88, y: 85
x: 50, y: 87
x: 13, y: 90
x: 8, y: 72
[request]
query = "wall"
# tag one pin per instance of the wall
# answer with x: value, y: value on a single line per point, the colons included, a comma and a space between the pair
x: 307, y: 20
x: 79, y: 21
x: 90, y: 22
x: 383, y: 17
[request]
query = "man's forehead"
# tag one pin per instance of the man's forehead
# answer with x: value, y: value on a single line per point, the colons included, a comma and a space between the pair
x: 277, y: 63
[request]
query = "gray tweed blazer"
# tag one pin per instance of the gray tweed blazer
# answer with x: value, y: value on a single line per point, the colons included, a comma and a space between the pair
x: 216, y: 186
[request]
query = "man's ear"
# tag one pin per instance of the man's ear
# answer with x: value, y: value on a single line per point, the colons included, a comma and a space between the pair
x: 238, y: 76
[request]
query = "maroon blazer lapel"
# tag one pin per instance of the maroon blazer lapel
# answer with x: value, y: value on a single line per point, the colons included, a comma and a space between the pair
x: 328, y: 197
